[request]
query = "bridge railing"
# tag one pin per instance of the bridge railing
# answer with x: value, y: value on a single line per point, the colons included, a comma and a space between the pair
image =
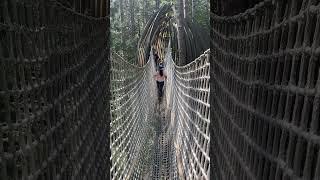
x: 53, y: 92
x: 132, y: 110
x: 188, y: 99
x: 266, y: 89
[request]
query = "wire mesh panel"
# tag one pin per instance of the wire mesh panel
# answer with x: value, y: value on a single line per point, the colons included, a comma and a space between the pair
x: 53, y: 92
x: 265, y: 92
x: 188, y: 95
x: 132, y: 109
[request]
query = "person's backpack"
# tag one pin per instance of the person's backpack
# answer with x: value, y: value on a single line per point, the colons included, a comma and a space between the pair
x: 161, y: 66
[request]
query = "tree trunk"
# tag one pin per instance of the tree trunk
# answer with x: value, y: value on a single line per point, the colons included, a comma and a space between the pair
x: 132, y: 23
x: 192, y: 9
x: 186, y: 8
x: 181, y: 33
x: 157, y: 4
x: 145, y: 10
x: 122, y: 22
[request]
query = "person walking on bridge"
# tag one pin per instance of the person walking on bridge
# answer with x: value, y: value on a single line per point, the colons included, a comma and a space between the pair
x: 156, y: 58
x: 160, y: 77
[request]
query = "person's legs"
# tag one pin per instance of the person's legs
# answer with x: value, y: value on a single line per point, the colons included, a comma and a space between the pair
x: 161, y: 88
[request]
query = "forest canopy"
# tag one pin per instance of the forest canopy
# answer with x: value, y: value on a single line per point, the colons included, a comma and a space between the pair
x: 129, y: 17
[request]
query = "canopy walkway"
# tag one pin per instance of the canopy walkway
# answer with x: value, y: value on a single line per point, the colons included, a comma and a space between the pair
x: 56, y: 85
x: 169, y: 140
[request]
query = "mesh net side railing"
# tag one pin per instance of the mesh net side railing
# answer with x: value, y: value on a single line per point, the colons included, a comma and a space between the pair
x: 265, y: 92
x: 54, y: 108
x: 132, y: 110
x: 188, y: 99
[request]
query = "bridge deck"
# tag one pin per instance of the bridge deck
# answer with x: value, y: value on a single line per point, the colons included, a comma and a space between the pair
x: 164, y: 158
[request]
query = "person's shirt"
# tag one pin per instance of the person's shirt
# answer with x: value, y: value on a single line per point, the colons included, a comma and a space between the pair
x: 160, y: 78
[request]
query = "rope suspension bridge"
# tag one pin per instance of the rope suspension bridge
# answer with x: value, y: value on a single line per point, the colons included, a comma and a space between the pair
x: 148, y: 136
x: 60, y: 93
x: 167, y: 139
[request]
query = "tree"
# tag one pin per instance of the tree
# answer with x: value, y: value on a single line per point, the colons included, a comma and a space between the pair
x: 157, y: 4
x: 181, y: 33
x: 145, y: 12
x: 130, y: 17
x: 192, y: 9
x: 185, y: 9
x: 132, y: 21
x: 121, y: 22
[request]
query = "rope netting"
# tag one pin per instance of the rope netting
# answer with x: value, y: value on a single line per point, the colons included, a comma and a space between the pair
x: 132, y: 108
x: 53, y: 92
x: 188, y: 102
x: 177, y: 128
x: 265, y: 92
